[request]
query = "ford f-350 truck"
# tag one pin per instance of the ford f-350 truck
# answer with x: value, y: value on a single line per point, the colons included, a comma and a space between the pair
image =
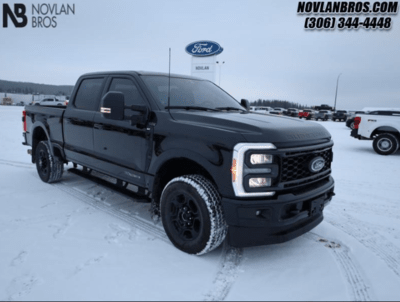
x: 212, y: 168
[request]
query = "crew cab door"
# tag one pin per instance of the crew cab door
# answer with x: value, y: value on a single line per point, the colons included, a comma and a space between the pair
x: 122, y: 147
x: 78, y: 121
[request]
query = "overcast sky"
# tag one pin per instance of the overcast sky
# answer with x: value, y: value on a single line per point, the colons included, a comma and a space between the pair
x: 267, y: 52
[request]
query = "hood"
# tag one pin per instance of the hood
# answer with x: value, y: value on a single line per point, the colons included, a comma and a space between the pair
x: 259, y: 128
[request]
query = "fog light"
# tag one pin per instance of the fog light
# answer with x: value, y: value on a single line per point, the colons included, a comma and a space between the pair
x: 259, y: 182
x: 260, y: 159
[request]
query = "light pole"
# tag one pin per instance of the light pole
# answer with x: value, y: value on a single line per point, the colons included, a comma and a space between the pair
x: 337, y: 85
x: 220, y: 71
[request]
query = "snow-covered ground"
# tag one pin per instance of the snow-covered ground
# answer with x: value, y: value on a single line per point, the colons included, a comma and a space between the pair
x: 76, y: 240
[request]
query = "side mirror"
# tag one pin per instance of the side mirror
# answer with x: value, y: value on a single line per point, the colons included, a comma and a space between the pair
x: 113, y: 106
x: 139, y: 119
x: 245, y: 104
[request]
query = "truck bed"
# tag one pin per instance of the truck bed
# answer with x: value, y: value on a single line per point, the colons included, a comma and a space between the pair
x: 50, y: 116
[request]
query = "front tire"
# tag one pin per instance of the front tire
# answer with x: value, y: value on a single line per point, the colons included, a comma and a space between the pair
x: 386, y: 144
x: 50, y: 168
x: 192, y: 216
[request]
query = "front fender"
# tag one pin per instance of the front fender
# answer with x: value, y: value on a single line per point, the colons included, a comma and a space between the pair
x: 217, y: 163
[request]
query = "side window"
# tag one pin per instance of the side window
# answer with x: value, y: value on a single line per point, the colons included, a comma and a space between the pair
x: 130, y: 91
x: 88, y: 94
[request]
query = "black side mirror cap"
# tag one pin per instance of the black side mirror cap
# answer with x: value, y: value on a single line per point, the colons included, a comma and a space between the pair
x: 245, y: 104
x: 113, y: 106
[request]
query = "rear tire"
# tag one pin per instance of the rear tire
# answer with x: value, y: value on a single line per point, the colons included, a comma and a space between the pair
x: 192, y: 216
x: 50, y: 168
x: 386, y: 144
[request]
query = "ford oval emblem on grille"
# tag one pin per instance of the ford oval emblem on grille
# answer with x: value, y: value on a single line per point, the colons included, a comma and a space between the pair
x: 317, y: 164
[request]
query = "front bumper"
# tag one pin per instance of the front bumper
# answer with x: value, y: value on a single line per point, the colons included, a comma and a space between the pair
x: 261, y: 222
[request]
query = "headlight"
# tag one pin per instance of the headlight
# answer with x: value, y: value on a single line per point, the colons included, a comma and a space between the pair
x: 259, y: 182
x: 261, y: 159
x: 239, y: 170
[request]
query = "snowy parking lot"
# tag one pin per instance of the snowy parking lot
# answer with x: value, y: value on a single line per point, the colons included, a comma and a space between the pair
x: 77, y: 240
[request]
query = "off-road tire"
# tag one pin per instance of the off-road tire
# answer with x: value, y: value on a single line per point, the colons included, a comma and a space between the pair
x: 202, y: 202
x: 50, y: 168
x: 386, y: 144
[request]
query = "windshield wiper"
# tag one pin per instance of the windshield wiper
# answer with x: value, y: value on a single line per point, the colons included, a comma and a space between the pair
x: 229, y: 108
x: 191, y: 108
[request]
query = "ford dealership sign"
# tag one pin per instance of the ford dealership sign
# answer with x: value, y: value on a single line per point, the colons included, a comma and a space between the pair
x: 204, y: 48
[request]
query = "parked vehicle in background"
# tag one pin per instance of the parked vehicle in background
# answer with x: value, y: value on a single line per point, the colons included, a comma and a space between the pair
x: 350, y: 119
x: 277, y: 111
x: 306, y: 113
x: 20, y: 104
x: 383, y: 127
x: 50, y: 102
x: 323, y: 115
x: 323, y: 107
x: 210, y: 168
x: 340, y: 115
x: 291, y: 112
x: 262, y: 109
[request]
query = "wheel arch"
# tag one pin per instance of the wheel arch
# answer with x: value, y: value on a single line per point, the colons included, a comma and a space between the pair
x: 41, y: 133
x: 385, y: 129
x: 175, y: 167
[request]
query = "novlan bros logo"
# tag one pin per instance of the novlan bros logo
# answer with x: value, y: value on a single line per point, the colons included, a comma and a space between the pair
x: 19, y: 12
x: 42, y: 16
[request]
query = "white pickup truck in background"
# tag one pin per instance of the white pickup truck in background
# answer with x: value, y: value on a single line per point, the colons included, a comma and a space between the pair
x: 51, y: 102
x: 383, y: 127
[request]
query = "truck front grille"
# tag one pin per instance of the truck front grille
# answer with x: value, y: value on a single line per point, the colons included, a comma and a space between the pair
x: 295, y: 165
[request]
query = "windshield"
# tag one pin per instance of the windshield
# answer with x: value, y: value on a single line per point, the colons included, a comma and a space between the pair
x: 189, y: 93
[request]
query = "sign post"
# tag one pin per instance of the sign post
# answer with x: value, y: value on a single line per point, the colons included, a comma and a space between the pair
x: 204, y: 54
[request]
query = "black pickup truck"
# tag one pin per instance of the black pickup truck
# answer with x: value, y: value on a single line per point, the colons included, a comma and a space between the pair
x: 210, y: 167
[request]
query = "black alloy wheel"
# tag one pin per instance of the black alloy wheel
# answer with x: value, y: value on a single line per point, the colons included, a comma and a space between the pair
x: 50, y: 168
x: 192, y: 216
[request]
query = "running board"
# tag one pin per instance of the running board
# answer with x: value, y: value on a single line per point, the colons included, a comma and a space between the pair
x: 116, y: 187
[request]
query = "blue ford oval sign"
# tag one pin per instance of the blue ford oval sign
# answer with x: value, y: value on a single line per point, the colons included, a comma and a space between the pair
x: 204, y: 48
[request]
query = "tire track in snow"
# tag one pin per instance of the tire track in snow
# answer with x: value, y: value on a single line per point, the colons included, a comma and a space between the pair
x: 360, y: 291
x: 368, y: 237
x: 231, y: 257
x: 131, y: 219
x: 227, y: 273
x: 17, y: 164
x: 100, y: 198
